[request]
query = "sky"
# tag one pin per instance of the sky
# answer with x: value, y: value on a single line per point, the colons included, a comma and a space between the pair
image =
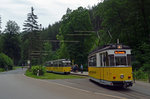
x: 48, y: 11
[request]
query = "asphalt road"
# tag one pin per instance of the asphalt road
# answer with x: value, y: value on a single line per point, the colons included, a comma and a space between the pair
x: 14, y: 85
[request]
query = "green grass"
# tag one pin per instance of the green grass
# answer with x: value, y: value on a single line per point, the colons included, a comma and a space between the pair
x: 52, y: 76
x: 16, y: 67
x: 2, y: 70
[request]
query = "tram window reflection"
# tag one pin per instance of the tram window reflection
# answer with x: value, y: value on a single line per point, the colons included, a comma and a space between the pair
x: 92, y: 61
x: 111, y: 60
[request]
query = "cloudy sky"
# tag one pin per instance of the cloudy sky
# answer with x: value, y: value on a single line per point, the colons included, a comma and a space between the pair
x: 48, y: 11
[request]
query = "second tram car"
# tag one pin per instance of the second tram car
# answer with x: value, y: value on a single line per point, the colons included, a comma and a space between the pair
x: 59, y: 66
x: 111, y: 65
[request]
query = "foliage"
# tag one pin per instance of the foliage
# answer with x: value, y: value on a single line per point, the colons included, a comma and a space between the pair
x: 50, y: 35
x: 52, y: 76
x: 11, y: 46
x: 30, y: 24
x: 10, y: 41
x: 0, y: 23
x: 72, y: 21
x: 16, y: 67
x: 6, y: 62
x: 24, y: 50
x: 1, y: 43
x: 12, y: 27
x: 136, y: 65
x: 140, y: 74
x: 36, y: 69
x: 126, y: 20
x: 32, y: 38
x: 142, y: 54
x: 48, y: 53
x: 2, y: 69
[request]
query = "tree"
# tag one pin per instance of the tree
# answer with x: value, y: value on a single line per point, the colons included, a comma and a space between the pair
x: 31, y: 23
x: 0, y: 24
x: 11, y: 41
x: 12, y: 27
x: 31, y: 30
x: 72, y: 21
x: 50, y: 34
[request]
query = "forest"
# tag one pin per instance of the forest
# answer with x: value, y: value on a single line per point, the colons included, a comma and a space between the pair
x: 79, y: 32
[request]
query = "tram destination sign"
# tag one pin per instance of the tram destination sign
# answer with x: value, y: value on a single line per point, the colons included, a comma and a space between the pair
x: 120, y: 52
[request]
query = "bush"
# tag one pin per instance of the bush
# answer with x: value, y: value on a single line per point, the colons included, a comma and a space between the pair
x: 2, y: 69
x: 136, y: 65
x: 141, y: 74
x: 35, y: 69
x: 6, y: 62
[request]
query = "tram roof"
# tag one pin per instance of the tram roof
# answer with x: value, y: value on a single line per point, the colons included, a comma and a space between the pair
x: 109, y: 47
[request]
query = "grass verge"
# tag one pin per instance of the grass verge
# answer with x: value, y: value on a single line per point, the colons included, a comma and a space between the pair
x: 16, y: 67
x: 52, y: 76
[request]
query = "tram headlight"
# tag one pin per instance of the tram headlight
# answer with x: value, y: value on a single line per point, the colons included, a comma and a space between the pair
x: 121, y: 76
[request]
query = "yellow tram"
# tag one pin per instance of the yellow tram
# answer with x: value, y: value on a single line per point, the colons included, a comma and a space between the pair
x: 58, y: 66
x: 111, y: 65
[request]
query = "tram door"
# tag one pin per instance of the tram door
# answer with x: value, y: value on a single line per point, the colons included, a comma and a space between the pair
x: 105, y: 71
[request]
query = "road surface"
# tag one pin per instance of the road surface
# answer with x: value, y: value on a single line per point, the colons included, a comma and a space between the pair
x: 14, y: 85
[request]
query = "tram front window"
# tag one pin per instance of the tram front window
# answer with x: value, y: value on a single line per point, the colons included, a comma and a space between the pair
x: 121, y: 61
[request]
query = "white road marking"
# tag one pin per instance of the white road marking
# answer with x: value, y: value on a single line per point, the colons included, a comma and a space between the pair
x: 118, y: 97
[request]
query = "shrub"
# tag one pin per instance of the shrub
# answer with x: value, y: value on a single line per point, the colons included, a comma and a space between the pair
x: 6, y: 62
x: 141, y: 74
x: 2, y: 69
x: 35, y: 69
x: 136, y: 65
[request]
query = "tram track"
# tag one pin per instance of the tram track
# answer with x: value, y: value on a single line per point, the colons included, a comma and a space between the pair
x: 97, y: 88
x: 135, y: 95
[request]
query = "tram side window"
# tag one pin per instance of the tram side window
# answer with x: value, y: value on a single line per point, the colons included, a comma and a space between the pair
x: 55, y: 64
x: 92, y: 61
x: 49, y: 64
x: 107, y: 60
x: 52, y: 64
x: 111, y: 60
x: 129, y: 60
x: 58, y: 64
x: 61, y: 64
x: 67, y: 64
x: 64, y: 64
